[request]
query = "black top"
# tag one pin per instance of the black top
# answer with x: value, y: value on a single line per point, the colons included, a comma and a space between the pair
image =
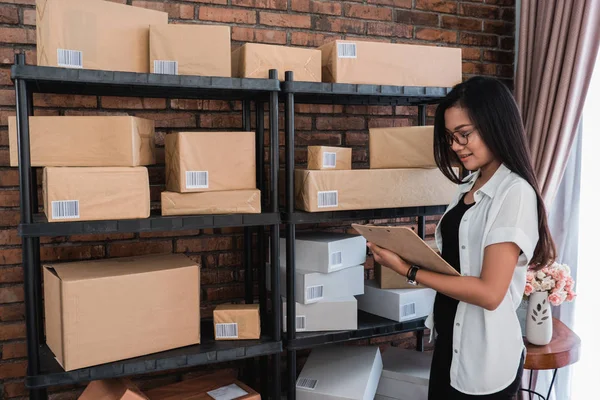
x: 444, y: 308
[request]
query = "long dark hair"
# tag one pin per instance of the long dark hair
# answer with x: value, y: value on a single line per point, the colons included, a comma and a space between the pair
x: 495, y: 114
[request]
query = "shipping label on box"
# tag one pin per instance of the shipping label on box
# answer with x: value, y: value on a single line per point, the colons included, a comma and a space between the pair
x: 376, y: 63
x: 86, y: 141
x: 254, y: 60
x: 210, y: 161
x: 107, y: 310
x: 237, y: 321
x: 325, y: 315
x: 327, y: 157
x: 405, y: 147
x: 95, y: 193
x: 326, y: 252
x: 320, y: 191
x: 225, y: 202
x: 396, y: 304
x: 182, y: 50
x: 99, y: 35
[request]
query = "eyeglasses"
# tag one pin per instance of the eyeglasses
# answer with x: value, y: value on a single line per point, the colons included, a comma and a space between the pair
x: 458, y: 137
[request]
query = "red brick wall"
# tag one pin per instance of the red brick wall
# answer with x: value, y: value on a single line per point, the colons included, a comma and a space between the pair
x: 483, y: 29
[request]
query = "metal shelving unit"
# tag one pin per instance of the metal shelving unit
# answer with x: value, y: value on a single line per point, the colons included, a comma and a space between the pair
x: 43, y: 371
x: 369, y: 325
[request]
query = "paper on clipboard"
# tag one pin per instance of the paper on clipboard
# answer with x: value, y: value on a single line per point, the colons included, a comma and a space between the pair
x: 407, y: 244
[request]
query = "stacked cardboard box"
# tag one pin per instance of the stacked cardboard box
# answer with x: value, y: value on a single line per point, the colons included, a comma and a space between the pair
x: 237, y: 321
x: 210, y: 173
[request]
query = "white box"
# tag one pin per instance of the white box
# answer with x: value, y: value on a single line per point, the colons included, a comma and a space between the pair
x: 405, y: 375
x: 326, y: 315
x: 340, y: 372
x: 396, y: 304
x: 326, y: 251
x: 312, y: 287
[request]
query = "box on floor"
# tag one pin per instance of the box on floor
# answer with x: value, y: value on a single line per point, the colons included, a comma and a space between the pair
x: 184, y: 49
x: 86, y: 141
x: 112, y: 309
x: 405, y: 147
x: 405, y: 375
x: 254, y: 60
x: 210, y: 161
x: 325, y: 315
x: 326, y: 252
x: 340, y: 372
x: 99, y: 35
x: 237, y: 321
x: 224, y: 202
x: 375, y: 63
x: 112, y: 389
x: 396, y: 304
x: 327, y: 157
x: 95, y: 193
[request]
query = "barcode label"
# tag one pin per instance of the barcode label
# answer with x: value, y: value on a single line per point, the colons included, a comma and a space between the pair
x: 408, y: 310
x: 335, y: 258
x: 314, y: 292
x: 329, y: 160
x: 307, y: 383
x: 227, y: 331
x: 196, y: 179
x: 65, y: 209
x: 346, y: 50
x: 300, y: 322
x: 327, y: 199
x: 69, y: 58
x: 166, y: 67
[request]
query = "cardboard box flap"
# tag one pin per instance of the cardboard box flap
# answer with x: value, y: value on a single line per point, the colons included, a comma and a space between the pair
x: 103, y: 268
x: 112, y: 389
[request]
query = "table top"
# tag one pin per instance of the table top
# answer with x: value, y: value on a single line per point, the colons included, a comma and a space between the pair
x: 562, y: 350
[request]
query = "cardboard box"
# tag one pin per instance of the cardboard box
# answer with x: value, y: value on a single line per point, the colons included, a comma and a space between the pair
x: 90, y: 141
x: 107, y: 310
x: 254, y: 60
x: 377, y: 63
x: 112, y: 389
x: 210, y: 161
x: 237, y: 321
x: 226, y: 202
x: 320, y: 191
x: 340, y: 372
x: 387, y: 278
x: 405, y: 374
x: 327, y: 157
x: 313, y: 287
x: 406, y: 147
x: 185, y: 49
x: 95, y: 193
x: 206, y: 387
x: 326, y: 252
x: 99, y: 35
x: 326, y: 315
x: 396, y: 304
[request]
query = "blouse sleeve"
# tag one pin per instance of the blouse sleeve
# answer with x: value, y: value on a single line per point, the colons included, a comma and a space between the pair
x: 517, y: 221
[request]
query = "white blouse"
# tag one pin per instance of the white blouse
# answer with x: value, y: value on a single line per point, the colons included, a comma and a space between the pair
x: 487, y: 344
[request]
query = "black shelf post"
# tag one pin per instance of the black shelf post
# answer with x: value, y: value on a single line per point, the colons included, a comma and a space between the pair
x: 31, y: 267
x: 248, y: 281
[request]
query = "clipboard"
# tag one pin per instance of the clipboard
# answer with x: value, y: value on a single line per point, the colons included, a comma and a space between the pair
x: 408, y: 245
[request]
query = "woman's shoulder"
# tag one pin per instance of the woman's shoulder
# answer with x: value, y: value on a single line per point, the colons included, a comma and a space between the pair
x: 515, y: 185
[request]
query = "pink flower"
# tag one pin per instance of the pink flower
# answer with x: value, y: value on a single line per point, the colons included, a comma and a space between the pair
x: 530, y: 276
x: 528, y: 289
x: 545, y: 270
x: 555, y: 299
x: 571, y: 296
x: 560, y: 285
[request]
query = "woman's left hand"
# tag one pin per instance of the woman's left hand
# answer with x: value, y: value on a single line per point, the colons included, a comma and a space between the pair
x: 389, y: 259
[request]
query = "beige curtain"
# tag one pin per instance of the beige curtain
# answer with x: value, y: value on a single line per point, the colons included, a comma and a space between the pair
x: 557, y: 48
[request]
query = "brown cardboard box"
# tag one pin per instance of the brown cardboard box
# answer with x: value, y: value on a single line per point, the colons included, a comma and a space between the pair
x: 327, y: 157
x: 112, y: 389
x: 112, y: 309
x: 94, y: 34
x: 388, y: 279
x: 371, y: 188
x: 198, y: 389
x: 391, y: 64
x: 210, y: 161
x: 95, y: 193
x: 203, y: 50
x: 226, y: 202
x: 254, y: 60
x: 237, y: 321
x: 406, y: 147
x: 89, y: 141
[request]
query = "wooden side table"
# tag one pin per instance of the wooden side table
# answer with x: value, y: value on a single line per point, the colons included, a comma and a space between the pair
x: 562, y: 350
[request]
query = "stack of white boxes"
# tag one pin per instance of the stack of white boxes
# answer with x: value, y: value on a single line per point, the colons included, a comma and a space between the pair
x: 329, y: 273
x: 405, y: 375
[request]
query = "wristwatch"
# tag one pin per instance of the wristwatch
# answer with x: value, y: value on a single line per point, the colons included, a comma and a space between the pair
x: 411, y: 275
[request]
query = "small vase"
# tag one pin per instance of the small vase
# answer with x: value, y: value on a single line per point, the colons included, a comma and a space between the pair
x: 539, y: 319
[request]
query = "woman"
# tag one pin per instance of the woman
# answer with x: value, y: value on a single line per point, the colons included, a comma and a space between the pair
x: 495, y: 227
